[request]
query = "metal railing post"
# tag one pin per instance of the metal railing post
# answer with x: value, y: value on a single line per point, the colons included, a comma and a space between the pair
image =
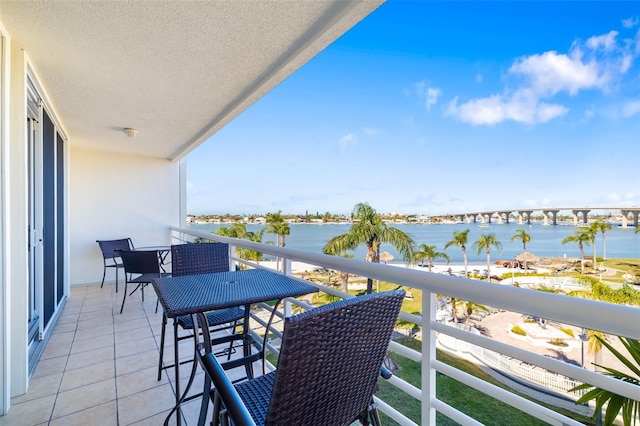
x: 232, y: 254
x: 428, y: 413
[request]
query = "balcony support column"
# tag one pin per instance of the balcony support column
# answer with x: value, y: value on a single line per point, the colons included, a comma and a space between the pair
x: 428, y: 414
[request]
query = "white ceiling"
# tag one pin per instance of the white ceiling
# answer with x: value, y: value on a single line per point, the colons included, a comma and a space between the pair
x: 176, y: 71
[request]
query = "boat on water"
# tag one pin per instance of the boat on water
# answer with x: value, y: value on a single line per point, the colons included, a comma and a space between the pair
x: 483, y: 226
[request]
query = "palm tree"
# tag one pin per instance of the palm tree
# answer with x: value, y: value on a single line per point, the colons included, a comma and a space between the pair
x: 369, y: 229
x: 615, y: 403
x: 522, y: 235
x: 278, y: 226
x: 602, y: 227
x: 583, y: 236
x: 429, y: 253
x: 484, y: 243
x: 471, y: 307
x: 594, y: 229
x: 460, y: 239
x: 344, y: 276
x: 239, y: 230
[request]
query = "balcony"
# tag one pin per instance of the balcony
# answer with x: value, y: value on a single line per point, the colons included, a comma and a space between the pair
x: 102, y: 365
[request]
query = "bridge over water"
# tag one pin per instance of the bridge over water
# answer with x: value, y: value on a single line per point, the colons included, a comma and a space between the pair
x: 629, y: 215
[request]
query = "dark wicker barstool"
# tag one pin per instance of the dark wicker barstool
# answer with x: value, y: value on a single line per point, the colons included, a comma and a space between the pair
x: 192, y: 259
x: 140, y: 268
x: 329, y: 363
x: 110, y: 257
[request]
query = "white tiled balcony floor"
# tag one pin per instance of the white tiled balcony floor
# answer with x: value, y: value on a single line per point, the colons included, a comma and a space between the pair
x: 100, y: 367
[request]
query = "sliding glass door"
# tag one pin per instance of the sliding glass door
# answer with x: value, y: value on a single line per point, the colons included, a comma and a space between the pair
x: 46, y: 234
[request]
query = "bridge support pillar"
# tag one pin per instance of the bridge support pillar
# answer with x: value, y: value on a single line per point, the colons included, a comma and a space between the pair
x: 526, y: 214
x: 625, y: 220
x: 584, y: 216
x: 506, y: 214
x: 554, y: 215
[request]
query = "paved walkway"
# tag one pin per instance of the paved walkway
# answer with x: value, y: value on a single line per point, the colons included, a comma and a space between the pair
x: 498, y: 325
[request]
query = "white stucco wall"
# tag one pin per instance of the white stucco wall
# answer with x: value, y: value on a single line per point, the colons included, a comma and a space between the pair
x: 113, y: 196
x: 18, y: 287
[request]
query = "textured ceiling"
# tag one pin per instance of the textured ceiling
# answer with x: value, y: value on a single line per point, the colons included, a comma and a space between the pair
x: 177, y: 71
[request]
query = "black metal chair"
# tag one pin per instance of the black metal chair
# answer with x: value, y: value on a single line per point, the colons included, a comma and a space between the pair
x: 110, y: 257
x: 192, y: 259
x: 140, y: 268
x: 329, y: 363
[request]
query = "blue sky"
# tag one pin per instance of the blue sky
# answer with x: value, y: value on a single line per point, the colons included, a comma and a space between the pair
x: 443, y: 107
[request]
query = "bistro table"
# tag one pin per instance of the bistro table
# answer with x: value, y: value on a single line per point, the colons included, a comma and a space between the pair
x: 194, y: 294
x: 163, y: 252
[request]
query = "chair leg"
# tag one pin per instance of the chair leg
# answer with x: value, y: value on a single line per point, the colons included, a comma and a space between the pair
x: 235, y: 325
x: 164, y: 328
x: 117, y: 269
x: 176, y: 360
x: 215, y: 418
x: 204, y: 404
x: 104, y: 274
x: 124, y: 297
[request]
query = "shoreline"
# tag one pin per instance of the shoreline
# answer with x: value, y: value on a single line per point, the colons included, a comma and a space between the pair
x: 456, y: 267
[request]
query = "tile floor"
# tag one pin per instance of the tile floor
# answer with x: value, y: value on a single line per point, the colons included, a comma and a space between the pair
x: 100, y: 367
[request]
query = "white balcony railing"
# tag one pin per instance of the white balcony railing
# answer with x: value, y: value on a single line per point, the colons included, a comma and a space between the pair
x: 609, y: 318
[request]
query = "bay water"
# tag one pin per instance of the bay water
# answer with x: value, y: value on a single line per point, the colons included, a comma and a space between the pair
x: 546, y: 241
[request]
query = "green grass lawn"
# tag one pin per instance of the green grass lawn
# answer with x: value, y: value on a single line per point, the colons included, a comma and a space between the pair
x: 472, y: 402
x: 467, y: 400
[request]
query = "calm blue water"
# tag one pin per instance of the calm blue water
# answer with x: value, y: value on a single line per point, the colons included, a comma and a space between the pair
x: 546, y: 241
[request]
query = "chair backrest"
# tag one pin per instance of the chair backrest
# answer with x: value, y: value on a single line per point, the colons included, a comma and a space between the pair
x: 199, y: 258
x: 330, y: 360
x: 109, y: 247
x: 140, y: 262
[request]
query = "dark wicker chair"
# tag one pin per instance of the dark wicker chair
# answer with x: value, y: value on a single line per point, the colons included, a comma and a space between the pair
x: 110, y: 257
x: 329, y: 363
x: 140, y: 268
x: 192, y: 259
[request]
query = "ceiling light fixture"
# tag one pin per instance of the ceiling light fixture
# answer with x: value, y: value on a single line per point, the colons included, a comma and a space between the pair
x: 131, y: 133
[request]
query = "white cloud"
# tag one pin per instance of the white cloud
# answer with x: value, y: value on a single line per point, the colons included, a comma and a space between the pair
x: 496, y: 108
x: 596, y: 64
x: 550, y: 73
x: 631, y: 108
x: 607, y: 41
x: 630, y: 23
x: 347, y: 141
x: 429, y: 94
x: 432, y: 96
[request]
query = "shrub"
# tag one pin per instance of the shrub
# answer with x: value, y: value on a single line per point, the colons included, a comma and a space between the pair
x: 557, y: 342
x: 518, y: 330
